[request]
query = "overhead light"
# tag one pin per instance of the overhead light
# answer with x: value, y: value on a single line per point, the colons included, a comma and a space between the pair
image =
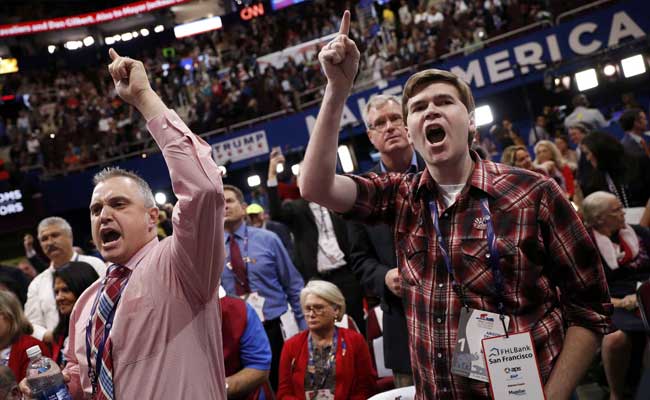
x: 135, y: 34
x: 633, y: 66
x: 117, y: 38
x: 51, y: 48
x: 144, y: 155
x: 345, y: 157
x: 566, y: 82
x: 127, y: 36
x: 144, y: 32
x: 295, y: 169
x: 161, y: 198
x: 586, y: 79
x: 89, y: 41
x: 109, y: 40
x: 159, y: 28
x: 223, y: 170
x: 279, y: 168
x: 609, y: 70
x: 52, y: 135
x: 483, y: 115
x: 73, y: 45
x: 254, y: 180
x: 196, y: 27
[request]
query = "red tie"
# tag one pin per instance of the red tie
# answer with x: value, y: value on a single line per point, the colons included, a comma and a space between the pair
x: 239, y: 268
x: 109, y: 298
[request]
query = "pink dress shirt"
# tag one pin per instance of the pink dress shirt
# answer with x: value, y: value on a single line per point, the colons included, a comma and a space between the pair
x: 167, y: 329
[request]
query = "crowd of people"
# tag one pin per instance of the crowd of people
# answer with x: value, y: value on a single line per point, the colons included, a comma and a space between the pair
x: 225, y: 299
x: 75, y: 119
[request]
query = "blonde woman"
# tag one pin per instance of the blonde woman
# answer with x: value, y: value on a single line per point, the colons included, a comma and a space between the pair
x: 325, y: 361
x: 549, y: 158
x: 15, y: 331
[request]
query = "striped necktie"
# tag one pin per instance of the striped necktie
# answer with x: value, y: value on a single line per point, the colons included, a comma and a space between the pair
x: 116, y: 278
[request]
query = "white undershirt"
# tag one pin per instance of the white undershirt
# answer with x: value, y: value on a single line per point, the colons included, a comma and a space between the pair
x: 449, y: 193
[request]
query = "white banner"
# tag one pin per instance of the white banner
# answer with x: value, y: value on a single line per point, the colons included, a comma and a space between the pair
x: 240, y: 148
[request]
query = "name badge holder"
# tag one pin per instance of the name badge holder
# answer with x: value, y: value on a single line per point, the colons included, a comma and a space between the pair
x: 468, y: 358
x: 318, y: 392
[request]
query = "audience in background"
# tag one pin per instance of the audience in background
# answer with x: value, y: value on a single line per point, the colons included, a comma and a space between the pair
x: 15, y: 337
x: 69, y: 282
x: 325, y: 358
x: 614, y: 171
x: 549, y: 159
x: 624, y: 250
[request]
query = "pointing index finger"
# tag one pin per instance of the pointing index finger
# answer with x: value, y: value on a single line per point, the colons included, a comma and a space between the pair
x: 345, y: 23
x: 113, y: 54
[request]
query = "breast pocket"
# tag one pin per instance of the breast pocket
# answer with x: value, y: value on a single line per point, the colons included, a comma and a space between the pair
x: 136, y: 330
x: 414, y: 254
x: 476, y: 271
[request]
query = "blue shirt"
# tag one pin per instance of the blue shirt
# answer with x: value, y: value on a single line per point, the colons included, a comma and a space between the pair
x: 270, y: 272
x: 254, y: 347
x: 412, y: 168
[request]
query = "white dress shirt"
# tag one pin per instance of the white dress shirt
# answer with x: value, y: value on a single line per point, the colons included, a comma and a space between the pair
x: 330, y: 255
x: 40, y: 308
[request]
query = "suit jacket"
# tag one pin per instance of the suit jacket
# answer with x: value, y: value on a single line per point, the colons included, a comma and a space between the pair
x: 282, y: 231
x: 297, y: 215
x: 372, y: 254
x: 355, y: 377
x: 631, y: 146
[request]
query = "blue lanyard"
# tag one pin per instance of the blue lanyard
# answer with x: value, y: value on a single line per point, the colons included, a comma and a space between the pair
x: 311, y: 365
x: 94, y: 374
x: 493, y: 256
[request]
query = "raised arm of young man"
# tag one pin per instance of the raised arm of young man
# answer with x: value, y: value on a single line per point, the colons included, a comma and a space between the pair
x: 318, y: 180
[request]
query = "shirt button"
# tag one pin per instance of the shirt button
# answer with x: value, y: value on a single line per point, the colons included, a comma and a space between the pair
x: 441, y: 285
x: 164, y: 126
x: 439, y: 355
x: 445, y: 215
x: 439, y: 320
x: 487, y: 255
x: 444, y: 389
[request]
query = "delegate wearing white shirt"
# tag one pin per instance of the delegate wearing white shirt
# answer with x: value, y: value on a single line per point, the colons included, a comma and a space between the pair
x: 40, y: 308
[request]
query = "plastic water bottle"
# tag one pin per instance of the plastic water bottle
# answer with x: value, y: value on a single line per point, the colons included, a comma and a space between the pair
x: 44, y: 377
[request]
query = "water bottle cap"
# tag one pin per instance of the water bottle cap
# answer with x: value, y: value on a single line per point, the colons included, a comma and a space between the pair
x: 34, y: 352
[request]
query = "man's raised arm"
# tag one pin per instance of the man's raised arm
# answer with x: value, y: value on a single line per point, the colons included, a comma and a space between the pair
x: 197, y: 251
x: 318, y: 180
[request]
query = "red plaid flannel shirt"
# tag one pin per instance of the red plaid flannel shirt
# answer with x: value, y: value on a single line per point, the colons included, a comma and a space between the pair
x: 552, y: 271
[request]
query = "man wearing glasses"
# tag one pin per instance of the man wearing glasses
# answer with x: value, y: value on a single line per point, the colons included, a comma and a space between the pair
x: 372, y: 251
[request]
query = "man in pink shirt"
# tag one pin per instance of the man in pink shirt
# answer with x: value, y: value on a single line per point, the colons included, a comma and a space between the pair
x: 164, y: 341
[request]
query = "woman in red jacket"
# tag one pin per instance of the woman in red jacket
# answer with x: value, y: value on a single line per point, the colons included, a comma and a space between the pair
x: 15, y: 339
x: 325, y: 362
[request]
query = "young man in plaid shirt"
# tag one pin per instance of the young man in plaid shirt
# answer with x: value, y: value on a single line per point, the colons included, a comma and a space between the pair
x: 552, y: 282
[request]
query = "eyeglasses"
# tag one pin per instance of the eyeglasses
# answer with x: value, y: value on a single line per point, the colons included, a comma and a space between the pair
x: 381, y: 124
x: 318, y: 310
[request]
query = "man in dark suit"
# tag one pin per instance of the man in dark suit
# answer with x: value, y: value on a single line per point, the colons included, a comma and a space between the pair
x: 373, y: 250
x: 258, y: 219
x: 321, y: 245
x: 634, y: 122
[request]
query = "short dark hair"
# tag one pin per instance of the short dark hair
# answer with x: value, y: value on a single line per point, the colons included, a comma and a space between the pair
x: 238, y: 193
x: 115, y: 172
x: 628, y: 118
x: 580, y: 100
